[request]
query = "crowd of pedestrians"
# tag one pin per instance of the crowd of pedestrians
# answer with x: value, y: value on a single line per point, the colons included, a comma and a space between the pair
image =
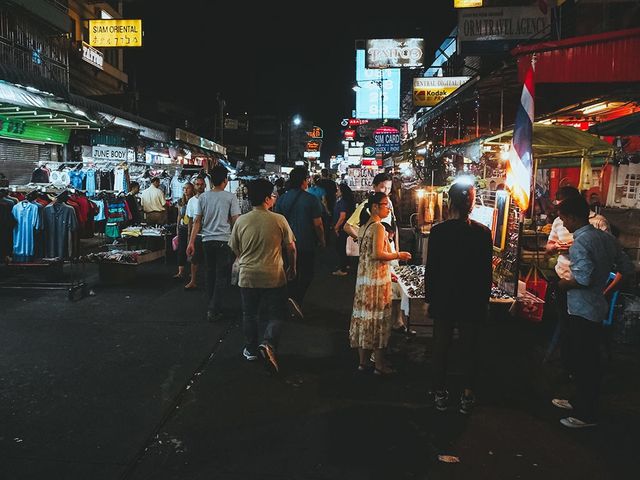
x: 272, y: 231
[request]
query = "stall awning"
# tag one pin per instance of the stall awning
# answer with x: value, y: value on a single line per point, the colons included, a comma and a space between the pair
x: 553, y: 144
x: 600, y: 58
x: 622, y: 126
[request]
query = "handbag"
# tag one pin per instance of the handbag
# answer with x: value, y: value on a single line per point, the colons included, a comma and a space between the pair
x: 353, y: 249
x: 531, y: 302
x: 174, y: 243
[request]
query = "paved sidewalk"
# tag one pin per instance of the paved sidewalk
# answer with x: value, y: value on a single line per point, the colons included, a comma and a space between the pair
x: 134, y: 383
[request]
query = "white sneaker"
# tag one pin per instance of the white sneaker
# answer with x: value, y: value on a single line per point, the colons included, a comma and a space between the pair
x: 252, y: 357
x: 573, y: 422
x: 561, y: 403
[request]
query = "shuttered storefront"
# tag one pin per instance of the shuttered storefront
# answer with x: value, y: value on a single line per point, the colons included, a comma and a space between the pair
x: 18, y: 159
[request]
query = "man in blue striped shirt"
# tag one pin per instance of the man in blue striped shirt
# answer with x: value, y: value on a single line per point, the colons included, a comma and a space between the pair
x: 593, y: 255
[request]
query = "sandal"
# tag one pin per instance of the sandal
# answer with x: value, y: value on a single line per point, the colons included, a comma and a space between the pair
x: 178, y: 276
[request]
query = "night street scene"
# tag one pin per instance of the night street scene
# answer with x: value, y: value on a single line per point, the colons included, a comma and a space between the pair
x: 244, y: 241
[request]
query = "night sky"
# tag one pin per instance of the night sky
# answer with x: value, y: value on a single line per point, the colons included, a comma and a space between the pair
x: 282, y: 59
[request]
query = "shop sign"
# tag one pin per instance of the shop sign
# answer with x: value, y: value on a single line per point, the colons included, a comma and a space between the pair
x: 361, y: 178
x: 387, y: 139
x: 119, y: 154
x: 311, y: 155
x: 269, y: 157
x: 349, y: 134
x: 93, y: 56
x: 369, y: 151
x: 115, y: 33
x: 371, y: 162
x: 467, y: 3
x: 497, y: 29
x: 429, y: 91
x: 313, y: 146
x: 316, y: 132
x: 230, y: 124
x: 28, y: 131
x: 395, y: 53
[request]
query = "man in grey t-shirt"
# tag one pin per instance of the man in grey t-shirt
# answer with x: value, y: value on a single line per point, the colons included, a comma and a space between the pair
x: 215, y: 215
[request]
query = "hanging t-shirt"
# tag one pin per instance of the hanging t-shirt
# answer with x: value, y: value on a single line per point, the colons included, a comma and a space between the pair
x: 26, y: 215
x: 60, y: 179
x: 40, y: 175
x: 100, y: 215
x: 59, y: 221
x: 76, y: 177
x: 120, y: 182
x: 91, y: 182
x: 177, y: 186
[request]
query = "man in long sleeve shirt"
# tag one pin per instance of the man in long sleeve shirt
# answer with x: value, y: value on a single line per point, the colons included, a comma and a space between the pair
x: 593, y: 255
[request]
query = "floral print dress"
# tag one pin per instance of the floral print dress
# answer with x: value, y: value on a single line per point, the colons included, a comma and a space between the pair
x: 371, y: 318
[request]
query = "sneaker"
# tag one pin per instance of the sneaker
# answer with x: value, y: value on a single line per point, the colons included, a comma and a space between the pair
x: 560, y: 403
x: 339, y: 273
x: 295, y: 309
x: 269, y: 356
x: 249, y: 355
x: 467, y: 403
x: 573, y: 422
x: 439, y: 399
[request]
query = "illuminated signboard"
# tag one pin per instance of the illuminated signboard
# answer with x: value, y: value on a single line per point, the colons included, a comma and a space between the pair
x: 395, y: 53
x: 316, y: 132
x: 429, y: 91
x: 115, y: 33
x: 349, y: 134
x: 372, y: 83
x: 29, y: 131
x: 313, y: 146
x: 467, y: 3
x: 387, y: 139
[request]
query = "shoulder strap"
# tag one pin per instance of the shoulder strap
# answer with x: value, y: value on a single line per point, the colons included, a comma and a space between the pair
x: 295, y: 200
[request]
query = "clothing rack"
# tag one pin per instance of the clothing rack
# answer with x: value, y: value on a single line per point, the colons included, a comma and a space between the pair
x: 52, y: 270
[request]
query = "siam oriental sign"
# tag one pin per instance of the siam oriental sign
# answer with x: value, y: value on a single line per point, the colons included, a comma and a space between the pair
x: 115, y: 33
x: 467, y: 3
x: 395, y: 53
x: 387, y: 139
x: 429, y: 91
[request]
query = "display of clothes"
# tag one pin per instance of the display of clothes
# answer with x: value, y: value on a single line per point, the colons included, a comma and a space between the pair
x: 7, y: 222
x: 177, y: 185
x: 76, y: 178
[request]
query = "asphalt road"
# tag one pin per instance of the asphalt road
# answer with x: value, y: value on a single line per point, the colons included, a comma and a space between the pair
x: 133, y: 383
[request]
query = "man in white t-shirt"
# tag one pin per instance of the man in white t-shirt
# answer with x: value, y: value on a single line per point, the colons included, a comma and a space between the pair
x: 216, y: 213
x: 193, y: 209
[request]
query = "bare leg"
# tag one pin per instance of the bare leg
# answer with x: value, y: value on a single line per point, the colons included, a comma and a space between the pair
x: 364, y: 356
x: 193, y: 283
x: 180, y: 273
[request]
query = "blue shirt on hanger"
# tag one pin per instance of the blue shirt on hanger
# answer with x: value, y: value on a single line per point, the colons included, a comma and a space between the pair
x: 28, y: 218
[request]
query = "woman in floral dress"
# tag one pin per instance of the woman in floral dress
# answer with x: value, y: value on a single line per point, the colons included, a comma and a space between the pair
x: 371, y: 320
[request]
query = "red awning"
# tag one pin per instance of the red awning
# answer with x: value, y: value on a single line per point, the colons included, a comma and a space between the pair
x: 601, y: 58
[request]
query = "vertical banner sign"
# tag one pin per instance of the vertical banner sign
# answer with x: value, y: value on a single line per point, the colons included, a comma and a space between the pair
x: 378, y: 89
x: 520, y: 162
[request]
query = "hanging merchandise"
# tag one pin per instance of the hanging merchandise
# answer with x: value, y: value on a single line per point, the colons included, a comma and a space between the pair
x: 59, y: 221
x: 27, y: 216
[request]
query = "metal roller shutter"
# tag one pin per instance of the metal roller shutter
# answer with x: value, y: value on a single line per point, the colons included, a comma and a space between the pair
x: 18, y: 160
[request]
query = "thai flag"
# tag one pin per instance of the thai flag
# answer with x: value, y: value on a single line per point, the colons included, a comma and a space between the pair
x: 520, y: 163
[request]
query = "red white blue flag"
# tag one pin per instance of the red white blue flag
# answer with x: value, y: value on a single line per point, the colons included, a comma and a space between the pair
x: 520, y: 163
